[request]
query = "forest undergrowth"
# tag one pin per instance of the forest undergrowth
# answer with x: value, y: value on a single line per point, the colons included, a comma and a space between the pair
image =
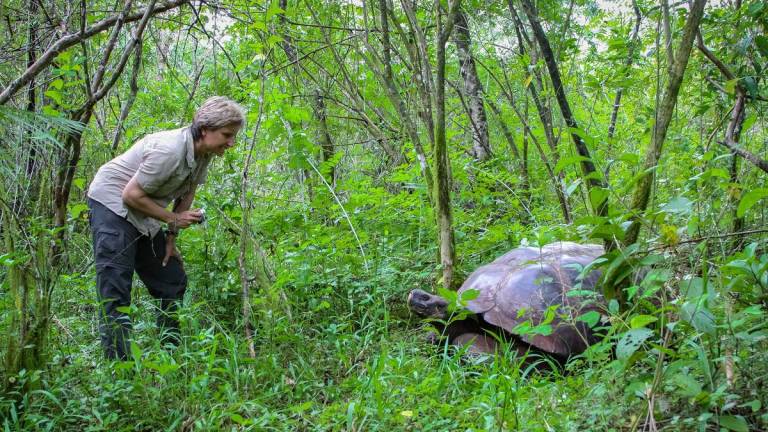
x: 342, y: 351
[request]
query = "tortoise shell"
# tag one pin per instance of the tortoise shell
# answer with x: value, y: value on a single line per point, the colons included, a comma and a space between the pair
x: 524, y: 284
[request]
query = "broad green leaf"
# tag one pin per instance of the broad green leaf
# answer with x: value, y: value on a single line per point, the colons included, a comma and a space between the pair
x: 274, y: 9
x: 678, y: 205
x: 750, y: 199
x: 730, y: 86
x: 273, y: 40
x: 735, y: 423
x: 631, y: 341
x: 542, y: 329
x: 240, y: 420
x: 687, y: 386
x: 591, y: 318
x: 748, y: 122
x: 630, y: 158
x: 49, y: 110
x: 754, y: 405
x: 566, y: 161
x: 469, y: 294
x: 607, y: 231
x: 77, y: 209
x: 698, y: 316
x: 55, y: 95
x: 640, y: 321
x: 597, y: 196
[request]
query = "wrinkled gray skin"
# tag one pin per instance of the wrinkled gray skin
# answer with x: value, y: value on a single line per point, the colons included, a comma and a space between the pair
x: 521, y: 286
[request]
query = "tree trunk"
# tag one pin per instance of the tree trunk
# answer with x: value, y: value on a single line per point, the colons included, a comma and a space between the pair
x: 591, y: 176
x: 442, y: 161
x: 663, y: 118
x: 481, y: 148
x: 326, y: 144
x: 545, y: 117
x: 633, y: 41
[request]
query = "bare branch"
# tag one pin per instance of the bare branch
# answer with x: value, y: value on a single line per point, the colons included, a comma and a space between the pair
x: 72, y: 39
x: 131, y: 97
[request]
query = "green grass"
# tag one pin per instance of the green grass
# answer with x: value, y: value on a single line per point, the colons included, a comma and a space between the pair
x: 360, y: 364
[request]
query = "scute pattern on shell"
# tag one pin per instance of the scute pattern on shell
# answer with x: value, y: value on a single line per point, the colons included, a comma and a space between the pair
x: 522, y: 284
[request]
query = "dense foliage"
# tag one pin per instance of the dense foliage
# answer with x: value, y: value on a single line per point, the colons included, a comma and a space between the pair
x: 392, y: 146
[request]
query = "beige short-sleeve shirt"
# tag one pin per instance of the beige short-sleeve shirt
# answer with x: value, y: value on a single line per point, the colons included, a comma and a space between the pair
x: 165, y: 167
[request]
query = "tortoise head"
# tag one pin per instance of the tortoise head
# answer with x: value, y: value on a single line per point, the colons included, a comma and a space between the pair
x: 427, y: 305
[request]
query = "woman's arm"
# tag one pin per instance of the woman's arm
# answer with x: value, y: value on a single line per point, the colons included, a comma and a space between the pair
x: 136, y: 198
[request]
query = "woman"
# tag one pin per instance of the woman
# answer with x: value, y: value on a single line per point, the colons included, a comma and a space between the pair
x: 128, y: 199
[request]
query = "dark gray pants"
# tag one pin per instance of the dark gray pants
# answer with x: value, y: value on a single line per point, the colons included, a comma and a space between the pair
x: 119, y: 250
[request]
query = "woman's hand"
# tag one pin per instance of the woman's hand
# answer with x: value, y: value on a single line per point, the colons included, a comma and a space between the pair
x: 185, y: 219
x: 171, y: 250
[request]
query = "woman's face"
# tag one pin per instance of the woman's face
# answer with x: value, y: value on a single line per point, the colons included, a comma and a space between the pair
x: 218, y: 140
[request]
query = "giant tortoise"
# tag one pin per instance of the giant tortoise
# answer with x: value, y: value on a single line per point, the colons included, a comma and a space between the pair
x: 520, y: 290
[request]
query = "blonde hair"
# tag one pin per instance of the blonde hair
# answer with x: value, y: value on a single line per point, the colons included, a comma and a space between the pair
x: 215, y: 113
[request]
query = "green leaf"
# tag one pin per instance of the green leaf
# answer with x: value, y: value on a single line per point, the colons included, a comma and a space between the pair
x: 273, y: 40
x: 572, y: 187
x: 528, y: 81
x: 583, y: 135
x: 751, y: 85
x: 591, y: 318
x: 77, y: 210
x: 607, y: 231
x: 735, y: 423
x: 762, y: 45
x: 597, y: 196
x: 750, y: 199
x: 748, y: 122
x: 50, y: 111
x: 678, y: 205
x: 754, y: 405
x: 57, y: 84
x: 469, y: 294
x: 630, y: 158
x: 699, y: 317
x: 687, y: 386
x: 755, y: 8
x: 570, y: 160
x: 274, y: 9
x: 136, y: 352
x: 55, y: 95
x: 730, y: 86
x: 640, y: 321
x: 237, y: 418
x: 631, y: 341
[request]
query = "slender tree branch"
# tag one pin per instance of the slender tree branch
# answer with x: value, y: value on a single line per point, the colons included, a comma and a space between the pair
x: 134, y: 87
x: 72, y: 39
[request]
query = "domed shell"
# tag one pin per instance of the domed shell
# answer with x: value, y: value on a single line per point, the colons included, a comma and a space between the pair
x: 523, y: 284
